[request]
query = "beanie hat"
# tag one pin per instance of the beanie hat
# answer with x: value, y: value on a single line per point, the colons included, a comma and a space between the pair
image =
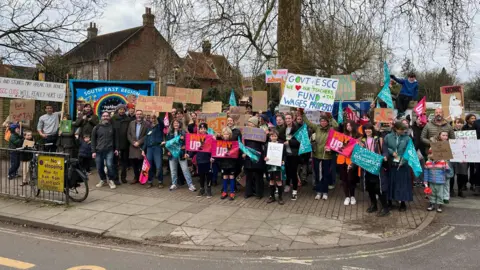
x: 253, y: 120
x: 14, y: 126
x: 131, y: 106
x: 264, y: 117
x: 203, y: 125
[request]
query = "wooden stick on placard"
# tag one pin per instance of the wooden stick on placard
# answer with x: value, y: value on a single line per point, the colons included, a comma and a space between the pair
x: 63, y: 103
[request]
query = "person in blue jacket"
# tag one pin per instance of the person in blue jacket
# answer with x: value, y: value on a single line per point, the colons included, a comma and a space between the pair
x: 152, y: 148
x: 408, y: 92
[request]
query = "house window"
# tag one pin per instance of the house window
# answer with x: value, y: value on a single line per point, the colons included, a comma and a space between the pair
x: 171, y: 80
x: 95, y: 73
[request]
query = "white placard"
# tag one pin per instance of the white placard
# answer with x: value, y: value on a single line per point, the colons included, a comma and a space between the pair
x: 28, y: 89
x: 274, y: 154
x: 466, y: 134
x: 465, y: 150
x: 313, y: 117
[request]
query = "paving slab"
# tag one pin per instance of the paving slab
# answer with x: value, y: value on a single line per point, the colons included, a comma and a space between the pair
x: 45, y: 212
x: 253, y: 214
x: 134, y: 226
x: 147, y: 201
x: 160, y: 231
x: 98, y: 205
x: 127, y: 209
x: 270, y: 242
x: 121, y: 198
x: 73, y: 216
x: 158, y: 214
x: 19, y: 208
x: 179, y: 218
x: 103, y: 221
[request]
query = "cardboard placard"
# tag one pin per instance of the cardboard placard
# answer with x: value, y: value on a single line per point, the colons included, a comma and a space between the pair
x: 452, y: 102
x: 152, y: 103
x: 383, y: 115
x: 185, y: 95
x: 275, y: 75
x: 212, y: 107
x: 27, y: 143
x: 259, y: 101
x: 66, y: 126
x: 346, y: 87
x: 215, y: 121
x: 441, y: 151
x: 254, y: 134
x: 21, y: 109
x: 313, y: 117
x: 239, y: 119
x: 237, y: 110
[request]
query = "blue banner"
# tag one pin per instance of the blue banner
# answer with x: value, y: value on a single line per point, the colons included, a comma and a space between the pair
x: 174, y: 146
x: 302, y: 136
x: 411, y: 157
x: 385, y: 94
x: 368, y: 160
x: 233, y: 101
x: 252, y: 154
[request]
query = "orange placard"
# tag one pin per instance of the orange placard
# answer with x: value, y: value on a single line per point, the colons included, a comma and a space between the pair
x: 215, y: 121
x: 383, y: 115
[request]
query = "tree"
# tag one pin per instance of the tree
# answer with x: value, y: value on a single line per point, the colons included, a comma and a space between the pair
x: 430, y: 82
x: 407, y: 67
x: 472, y: 89
x: 30, y: 28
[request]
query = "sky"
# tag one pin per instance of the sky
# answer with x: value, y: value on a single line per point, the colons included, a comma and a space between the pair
x: 123, y: 14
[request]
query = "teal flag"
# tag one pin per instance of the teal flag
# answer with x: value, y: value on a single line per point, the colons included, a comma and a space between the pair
x: 378, y: 104
x: 233, y: 101
x: 411, y: 157
x: 302, y: 136
x: 385, y: 94
x: 174, y: 146
x: 210, y: 131
x: 367, y: 160
x: 252, y: 154
x: 340, y: 112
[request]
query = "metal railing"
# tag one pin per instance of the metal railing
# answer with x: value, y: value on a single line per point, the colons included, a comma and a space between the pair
x: 34, y: 175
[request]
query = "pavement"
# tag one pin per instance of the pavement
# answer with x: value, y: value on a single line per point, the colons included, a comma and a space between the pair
x: 179, y: 219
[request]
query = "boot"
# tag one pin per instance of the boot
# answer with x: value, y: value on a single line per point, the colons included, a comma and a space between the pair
x: 209, y: 192
x: 372, y: 208
x: 280, y: 195
x: 384, y: 212
x: 272, y: 194
x: 460, y: 194
x: 403, y: 207
x: 201, y: 192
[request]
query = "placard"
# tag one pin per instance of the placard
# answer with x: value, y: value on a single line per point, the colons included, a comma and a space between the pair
x: 152, y: 103
x: 27, y: 143
x: 346, y: 87
x: 383, y: 115
x: 239, y: 119
x: 259, y: 101
x: 22, y: 110
x: 368, y: 160
x: 441, y: 150
x: 254, y: 134
x: 310, y: 93
x: 465, y: 150
x: 225, y: 149
x: 215, y: 121
x: 35, y: 90
x: 212, y: 107
x: 199, y: 142
x: 275, y: 154
x: 275, y: 75
x: 313, y: 117
x: 283, y: 109
x: 185, y: 95
x: 466, y: 134
x: 452, y: 102
x: 66, y: 126
x: 51, y: 173
x: 340, y: 143
x: 237, y: 109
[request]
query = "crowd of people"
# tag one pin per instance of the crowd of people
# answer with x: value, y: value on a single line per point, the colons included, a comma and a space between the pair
x: 120, y: 141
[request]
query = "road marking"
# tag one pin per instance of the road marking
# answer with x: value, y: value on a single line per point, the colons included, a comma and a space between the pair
x: 463, y: 236
x: 15, y: 264
x: 353, y: 268
x: 86, y: 267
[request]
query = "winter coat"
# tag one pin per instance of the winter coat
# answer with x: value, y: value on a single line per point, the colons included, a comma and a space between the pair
x: 86, y: 126
x: 408, y: 89
x: 321, y: 134
x: 66, y: 141
x: 120, y: 124
x: 104, y: 138
x: 293, y: 142
x: 260, y: 148
x: 136, y: 152
x: 154, y: 135
x: 383, y: 178
x: 16, y: 141
x: 172, y: 135
x: 417, y: 139
x: 85, y: 149
x: 432, y: 129
x: 395, y: 143
x: 436, y: 172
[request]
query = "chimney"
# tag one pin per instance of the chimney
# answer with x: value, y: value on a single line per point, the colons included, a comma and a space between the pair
x: 92, y: 31
x: 148, y: 18
x: 206, y: 47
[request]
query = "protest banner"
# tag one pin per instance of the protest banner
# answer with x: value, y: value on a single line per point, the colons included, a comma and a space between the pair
x: 313, y: 116
x: 144, y: 173
x: 239, y: 119
x: 466, y: 134
x: 465, y: 150
x: 254, y: 134
x: 199, y: 142
x: 259, y: 101
x: 283, y: 109
x: 152, y: 103
x: 21, y: 109
x: 310, y: 93
x: 35, y: 90
x: 215, y: 121
x: 441, y: 150
x: 238, y: 109
x: 275, y: 154
x: 212, y: 107
x: 185, y: 95
x: 383, y: 115
x: 340, y: 143
x: 346, y: 87
x: 368, y: 160
x: 225, y: 149
x: 452, y: 102
x: 275, y: 75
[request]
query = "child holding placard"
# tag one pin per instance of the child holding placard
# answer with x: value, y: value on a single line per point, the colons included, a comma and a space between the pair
x: 227, y: 167
x: 275, y: 172
x: 204, y: 166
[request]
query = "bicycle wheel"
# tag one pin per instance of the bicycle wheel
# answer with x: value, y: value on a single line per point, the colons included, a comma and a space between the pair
x: 80, y: 192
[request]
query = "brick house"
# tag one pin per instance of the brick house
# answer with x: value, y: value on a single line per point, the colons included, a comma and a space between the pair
x: 139, y: 53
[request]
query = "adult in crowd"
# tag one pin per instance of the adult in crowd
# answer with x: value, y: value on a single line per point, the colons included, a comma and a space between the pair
x: 304, y: 158
x: 153, y: 151
x: 86, y: 121
x: 348, y: 170
x: 236, y: 134
x: 460, y: 168
x: 433, y: 128
x: 104, y: 147
x: 280, y: 127
x: 400, y: 179
x: 408, y: 92
x: 254, y: 170
x: 120, y: 122
x: 47, y: 127
x: 131, y: 110
x: 24, y: 124
x: 470, y: 124
x: 137, y: 130
x: 193, y: 125
x: 292, y: 146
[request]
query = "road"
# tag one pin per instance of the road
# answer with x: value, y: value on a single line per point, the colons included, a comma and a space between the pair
x: 451, y: 242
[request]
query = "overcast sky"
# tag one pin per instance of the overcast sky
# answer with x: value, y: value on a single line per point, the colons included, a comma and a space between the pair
x: 123, y: 14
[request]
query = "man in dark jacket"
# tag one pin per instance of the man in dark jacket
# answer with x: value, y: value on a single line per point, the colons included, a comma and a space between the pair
x: 86, y: 121
x: 104, y: 147
x: 120, y: 122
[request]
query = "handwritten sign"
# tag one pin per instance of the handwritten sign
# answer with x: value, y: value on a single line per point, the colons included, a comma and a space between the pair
x: 346, y: 87
x: 254, y: 134
x: 185, y: 95
x: 152, y: 103
x: 259, y: 101
x: 27, y: 143
x: 239, y: 119
x: 275, y: 75
x: 225, y: 149
x: 274, y: 154
x: 383, y: 115
x: 51, y: 173
x: 452, y: 102
x: 237, y: 110
x: 313, y: 116
x: 340, y: 143
x: 28, y: 89
x: 22, y: 109
x: 465, y: 150
x: 310, y: 93
x: 199, y: 142
x: 215, y: 121
x: 369, y: 161
x: 466, y: 134
x: 441, y: 151
x: 212, y: 107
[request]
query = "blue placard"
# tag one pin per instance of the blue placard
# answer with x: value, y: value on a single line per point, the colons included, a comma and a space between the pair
x: 368, y: 160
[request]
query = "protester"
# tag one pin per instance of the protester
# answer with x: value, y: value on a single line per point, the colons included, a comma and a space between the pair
x: 460, y: 168
x: 120, y: 121
x: 292, y: 146
x: 408, y: 92
x: 204, y: 166
x: 193, y: 125
x: 227, y: 168
x: 304, y: 161
x: 470, y: 124
x: 137, y: 130
x: 15, y: 141
x: 275, y: 173
x: 47, y: 127
x: 26, y: 157
x: 348, y: 170
x: 131, y: 110
x: 104, y: 146
x: 433, y: 128
x: 86, y: 121
x: 85, y: 152
x: 254, y: 170
x: 280, y: 127
x: 153, y: 151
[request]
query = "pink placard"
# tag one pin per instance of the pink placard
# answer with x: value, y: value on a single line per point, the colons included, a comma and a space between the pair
x: 199, y: 142
x: 144, y: 174
x: 225, y: 149
x: 340, y: 143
